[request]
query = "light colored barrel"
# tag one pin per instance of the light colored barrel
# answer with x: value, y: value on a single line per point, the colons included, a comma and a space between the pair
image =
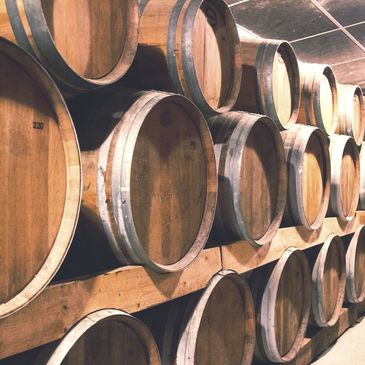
x: 192, y: 48
x: 83, y: 43
x: 351, y: 112
x: 282, y: 297
x: 309, y: 176
x: 329, y: 282
x: 355, y: 266
x: 150, y: 180
x: 362, y: 177
x: 40, y: 181
x: 319, y: 99
x: 345, y: 177
x: 270, y: 80
x: 252, y: 176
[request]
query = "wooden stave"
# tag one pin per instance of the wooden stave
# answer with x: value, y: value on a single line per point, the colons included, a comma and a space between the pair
x: 266, y: 349
x: 264, y: 51
x: 337, y: 146
x: 26, y: 25
x: 294, y: 149
x: 235, y: 222
x: 310, y: 112
x: 74, y: 182
x: 345, y: 126
x: 106, y: 206
x: 352, y: 295
x: 362, y: 177
x: 178, y: 73
x: 317, y: 283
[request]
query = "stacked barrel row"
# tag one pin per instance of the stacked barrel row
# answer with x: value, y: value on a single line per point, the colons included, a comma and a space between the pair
x: 158, y: 169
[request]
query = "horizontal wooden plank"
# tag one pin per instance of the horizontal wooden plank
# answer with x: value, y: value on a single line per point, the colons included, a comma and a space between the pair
x: 242, y: 256
x: 130, y: 288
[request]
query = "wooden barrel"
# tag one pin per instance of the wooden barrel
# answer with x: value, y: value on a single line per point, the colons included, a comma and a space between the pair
x: 282, y: 295
x: 351, y: 112
x: 355, y: 266
x: 308, y: 163
x: 319, y: 100
x: 362, y: 177
x: 345, y: 177
x: 328, y: 281
x: 214, y: 327
x: 83, y: 43
x: 252, y: 176
x: 40, y: 180
x: 192, y: 48
x: 270, y: 80
x: 149, y: 175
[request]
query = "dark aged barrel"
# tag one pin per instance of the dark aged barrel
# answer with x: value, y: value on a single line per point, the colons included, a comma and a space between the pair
x: 192, y: 48
x: 355, y: 266
x: 214, y: 327
x: 270, y: 80
x: 308, y: 163
x: 351, y: 112
x: 319, y: 100
x: 83, y: 43
x: 362, y: 177
x: 282, y: 297
x: 328, y: 281
x: 107, y: 336
x: 40, y: 181
x: 345, y: 177
x: 149, y: 175
x: 252, y: 176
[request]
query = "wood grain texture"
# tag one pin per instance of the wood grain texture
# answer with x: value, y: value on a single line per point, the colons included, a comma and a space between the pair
x: 251, y: 176
x: 362, y: 177
x: 41, y: 180
x: 270, y: 80
x: 319, y: 99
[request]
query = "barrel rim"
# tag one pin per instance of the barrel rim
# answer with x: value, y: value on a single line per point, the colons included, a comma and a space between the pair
x: 318, y: 292
x: 45, y: 48
x: 71, y: 210
x: 264, y: 61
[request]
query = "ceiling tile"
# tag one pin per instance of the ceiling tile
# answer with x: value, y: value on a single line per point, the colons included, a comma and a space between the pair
x: 351, y: 72
x: 358, y: 31
x: 281, y: 19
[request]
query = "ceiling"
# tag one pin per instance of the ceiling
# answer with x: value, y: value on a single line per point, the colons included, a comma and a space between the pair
x: 323, y: 31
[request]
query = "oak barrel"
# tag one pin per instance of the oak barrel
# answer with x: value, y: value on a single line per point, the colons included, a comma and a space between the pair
x: 192, y: 48
x: 270, y: 80
x: 212, y: 327
x: 309, y: 175
x: 351, y: 112
x: 319, y: 100
x: 282, y: 296
x: 149, y: 175
x: 328, y: 264
x: 362, y: 177
x: 40, y: 181
x: 345, y: 177
x: 83, y: 44
x: 252, y: 176
x: 355, y: 266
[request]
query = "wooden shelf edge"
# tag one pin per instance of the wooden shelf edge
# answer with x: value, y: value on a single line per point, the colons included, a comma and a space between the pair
x: 131, y: 288
x: 241, y: 256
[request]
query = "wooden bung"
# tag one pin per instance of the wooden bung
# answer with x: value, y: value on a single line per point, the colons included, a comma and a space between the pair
x: 282, y: 297
x: 149, y: 176
x: 328, y: 281
x: 362, y: 177
x: 351, y: 112
x: 83, y: 43
x: 107, y: 336
x: 308, y: 163
x: 40, y: 181
x: 192, y: 48
x: 345, y: 177
x: 355, y: 266
x: 270, y: 80
x: 252, y: 177
x: 319, y: 100
x: 215, y: 327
